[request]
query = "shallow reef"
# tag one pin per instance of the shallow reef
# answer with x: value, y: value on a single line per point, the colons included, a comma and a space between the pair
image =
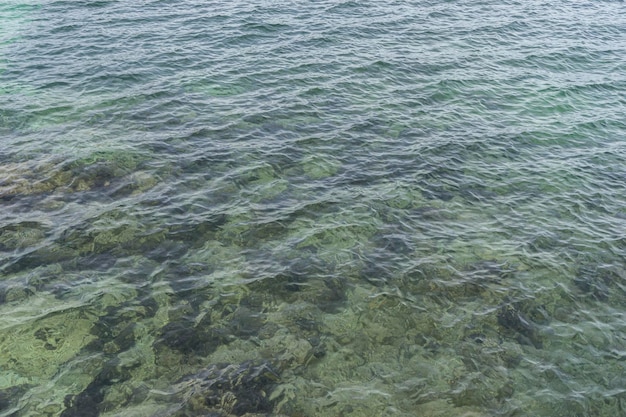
x: 235, y: 209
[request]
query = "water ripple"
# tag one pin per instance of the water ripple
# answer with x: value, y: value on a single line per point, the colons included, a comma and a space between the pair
x: 329, y: 208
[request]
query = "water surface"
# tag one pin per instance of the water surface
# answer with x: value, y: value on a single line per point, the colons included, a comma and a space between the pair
x: 330, y: 208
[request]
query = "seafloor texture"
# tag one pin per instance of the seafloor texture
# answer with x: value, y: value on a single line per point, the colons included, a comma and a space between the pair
x: 296, y: 208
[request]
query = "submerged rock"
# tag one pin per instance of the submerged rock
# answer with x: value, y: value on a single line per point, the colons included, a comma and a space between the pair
x: 513, y: 320
x: 596, y: 281
x: 185, y: 338
x: 229, y: 389
x: 10, y: 395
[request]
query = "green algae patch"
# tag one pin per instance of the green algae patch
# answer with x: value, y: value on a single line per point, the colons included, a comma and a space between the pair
x: 22, y: 235
x: 397, y: 196
x: 39, y: 343
x: 318, y: 167
x: 30, y: 177
x: 263, y: 191
x: 120, y: 159
x: 218, y: 90
x: 114, y: 230
x: 112, y: 171
x: 337, y: 232
x: 217, y: 255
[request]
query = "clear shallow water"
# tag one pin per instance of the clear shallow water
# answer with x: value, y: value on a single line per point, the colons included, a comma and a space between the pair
x: 312, y: 208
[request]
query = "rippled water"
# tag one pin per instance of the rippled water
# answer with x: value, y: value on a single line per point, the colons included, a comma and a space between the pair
x: 332, y: 208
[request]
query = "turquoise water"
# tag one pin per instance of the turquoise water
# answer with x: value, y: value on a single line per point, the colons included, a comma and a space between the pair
x: 331, y: 208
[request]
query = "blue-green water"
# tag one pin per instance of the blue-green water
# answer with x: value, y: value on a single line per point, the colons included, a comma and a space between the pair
x: 333, y: 208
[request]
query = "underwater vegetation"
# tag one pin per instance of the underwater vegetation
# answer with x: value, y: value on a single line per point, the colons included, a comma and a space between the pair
x: 181, y: 290
x: 326, y: 209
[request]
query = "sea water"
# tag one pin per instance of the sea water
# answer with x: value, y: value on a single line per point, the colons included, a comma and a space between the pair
x: 312, y: 208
